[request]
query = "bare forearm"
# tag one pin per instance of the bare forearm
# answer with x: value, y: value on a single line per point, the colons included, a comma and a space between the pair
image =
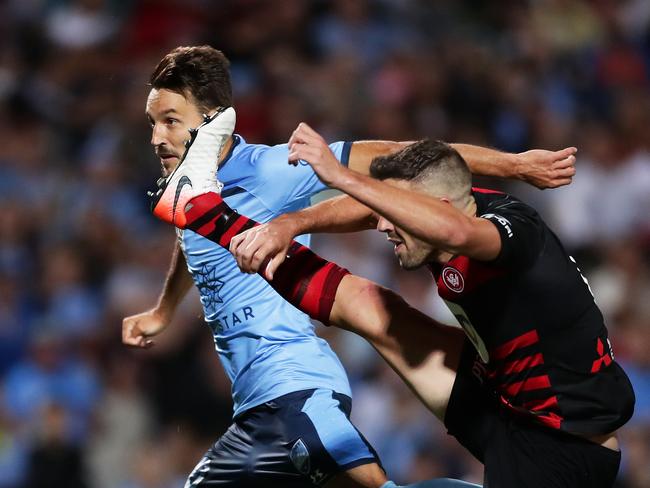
x: 363, y: 152
x: 481, y: 160
x: 538, y: 167
x: 421, y: 215
x: 176, y: 286
x: 345, y: 214
x: 338, y: 214
x: 489, y: 162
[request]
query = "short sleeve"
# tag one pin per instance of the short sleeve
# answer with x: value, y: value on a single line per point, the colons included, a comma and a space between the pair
x: 281, y: 184
x: 522, y: 233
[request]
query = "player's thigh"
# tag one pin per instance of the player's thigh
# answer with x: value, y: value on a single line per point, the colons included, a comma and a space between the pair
x: 302, y: 439
x: 253, y: 453
x: 226, y: 463
x: 422, y: 351
x: 332, y: 447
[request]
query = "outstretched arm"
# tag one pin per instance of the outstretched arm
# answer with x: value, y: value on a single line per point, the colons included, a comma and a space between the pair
x: 538, y: 167
x: 423, y: 216
x: 269, y: 242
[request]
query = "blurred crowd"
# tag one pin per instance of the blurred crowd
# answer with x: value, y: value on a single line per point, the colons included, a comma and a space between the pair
x: 79, y: 250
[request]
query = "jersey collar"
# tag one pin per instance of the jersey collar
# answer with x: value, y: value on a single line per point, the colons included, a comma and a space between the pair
x: 236, y: 139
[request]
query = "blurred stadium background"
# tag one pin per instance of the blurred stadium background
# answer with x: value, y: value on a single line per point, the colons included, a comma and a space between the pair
x: 79, y: 251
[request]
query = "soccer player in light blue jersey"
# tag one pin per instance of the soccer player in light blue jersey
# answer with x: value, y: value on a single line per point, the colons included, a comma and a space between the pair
x: 291, y: 396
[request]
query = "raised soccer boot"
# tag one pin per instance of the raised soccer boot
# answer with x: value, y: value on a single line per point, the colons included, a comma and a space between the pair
x: 196, y: 172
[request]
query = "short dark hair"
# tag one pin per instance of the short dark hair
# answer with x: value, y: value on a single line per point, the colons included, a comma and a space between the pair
x: 200, y: 71
x: 423, y: 159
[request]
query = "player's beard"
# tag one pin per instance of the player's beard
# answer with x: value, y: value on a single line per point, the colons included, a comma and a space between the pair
x: 412, y: 259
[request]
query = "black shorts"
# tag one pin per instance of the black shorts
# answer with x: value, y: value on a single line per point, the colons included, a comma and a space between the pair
x: 515, y: 452
x: 302, y: 439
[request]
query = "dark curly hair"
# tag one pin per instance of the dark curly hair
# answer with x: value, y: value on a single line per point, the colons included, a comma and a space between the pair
x: 199, y: 71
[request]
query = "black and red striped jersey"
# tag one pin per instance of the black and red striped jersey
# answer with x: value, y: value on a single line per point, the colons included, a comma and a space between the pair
x: 541, y: 340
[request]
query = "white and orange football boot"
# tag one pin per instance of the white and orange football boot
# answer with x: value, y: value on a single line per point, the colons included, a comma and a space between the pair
x: 196, y: 172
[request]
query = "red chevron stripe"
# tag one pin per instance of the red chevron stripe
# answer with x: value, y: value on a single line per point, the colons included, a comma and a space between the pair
x: 534, y: 383
x: 504, y: 350
x: 521, y: 364
x: 538, y: 405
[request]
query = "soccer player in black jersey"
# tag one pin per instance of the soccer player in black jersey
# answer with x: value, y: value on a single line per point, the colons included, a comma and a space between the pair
x: 537, y: 395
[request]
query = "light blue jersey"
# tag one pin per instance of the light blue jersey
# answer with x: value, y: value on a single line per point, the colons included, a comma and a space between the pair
x: 268, y: 348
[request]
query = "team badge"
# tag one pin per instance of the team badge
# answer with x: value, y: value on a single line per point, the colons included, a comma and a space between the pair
x: 209, y: 286
x: 300, y: 457
x: 453, y: 279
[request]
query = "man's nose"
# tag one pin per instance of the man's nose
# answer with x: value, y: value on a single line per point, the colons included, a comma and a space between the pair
x: 157, y: 135
x: 384, y: 225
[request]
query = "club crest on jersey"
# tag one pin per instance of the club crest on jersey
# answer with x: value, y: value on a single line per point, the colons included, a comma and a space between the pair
x: 300, y: 457
x: 453, y: 279
x: 209, y: 285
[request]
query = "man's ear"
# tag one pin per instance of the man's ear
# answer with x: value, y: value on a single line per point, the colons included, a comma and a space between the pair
x: 445, y: 200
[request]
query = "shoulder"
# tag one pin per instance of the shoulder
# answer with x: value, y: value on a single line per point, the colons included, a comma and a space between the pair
x: 263, y: 153
x: 252, y: 160
x: 523, y: 233
x: 491, y: 202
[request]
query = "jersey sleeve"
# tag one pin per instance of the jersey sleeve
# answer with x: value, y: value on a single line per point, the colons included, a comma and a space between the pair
x: 522, y: 233
x: 280, y: 183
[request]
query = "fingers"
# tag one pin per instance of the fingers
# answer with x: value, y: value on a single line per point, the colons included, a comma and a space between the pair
x: 560, y: 182
x: 142, y: 342
x: 305, y: 152
x: 302, y: 141
x: 128, y: 326
x: 273, y: 265
x: 263, y: 248
x: 256, y: 260
x: 566, y: 172
x: 250, y: 249
x: 240, y: 246
x: 549, y: 169
x: 304, y: 135
x: 244, y: 254
x: 565, y: 162
x: 566, y: 152
x: 133, y: 336
x: 236, y: 241
x: 563, y: 171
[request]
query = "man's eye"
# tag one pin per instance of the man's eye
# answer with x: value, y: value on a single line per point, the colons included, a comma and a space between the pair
x: 172, y: 121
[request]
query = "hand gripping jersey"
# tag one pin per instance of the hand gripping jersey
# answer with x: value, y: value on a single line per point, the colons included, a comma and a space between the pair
x: 541, y: 341
x: 267, y: 347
